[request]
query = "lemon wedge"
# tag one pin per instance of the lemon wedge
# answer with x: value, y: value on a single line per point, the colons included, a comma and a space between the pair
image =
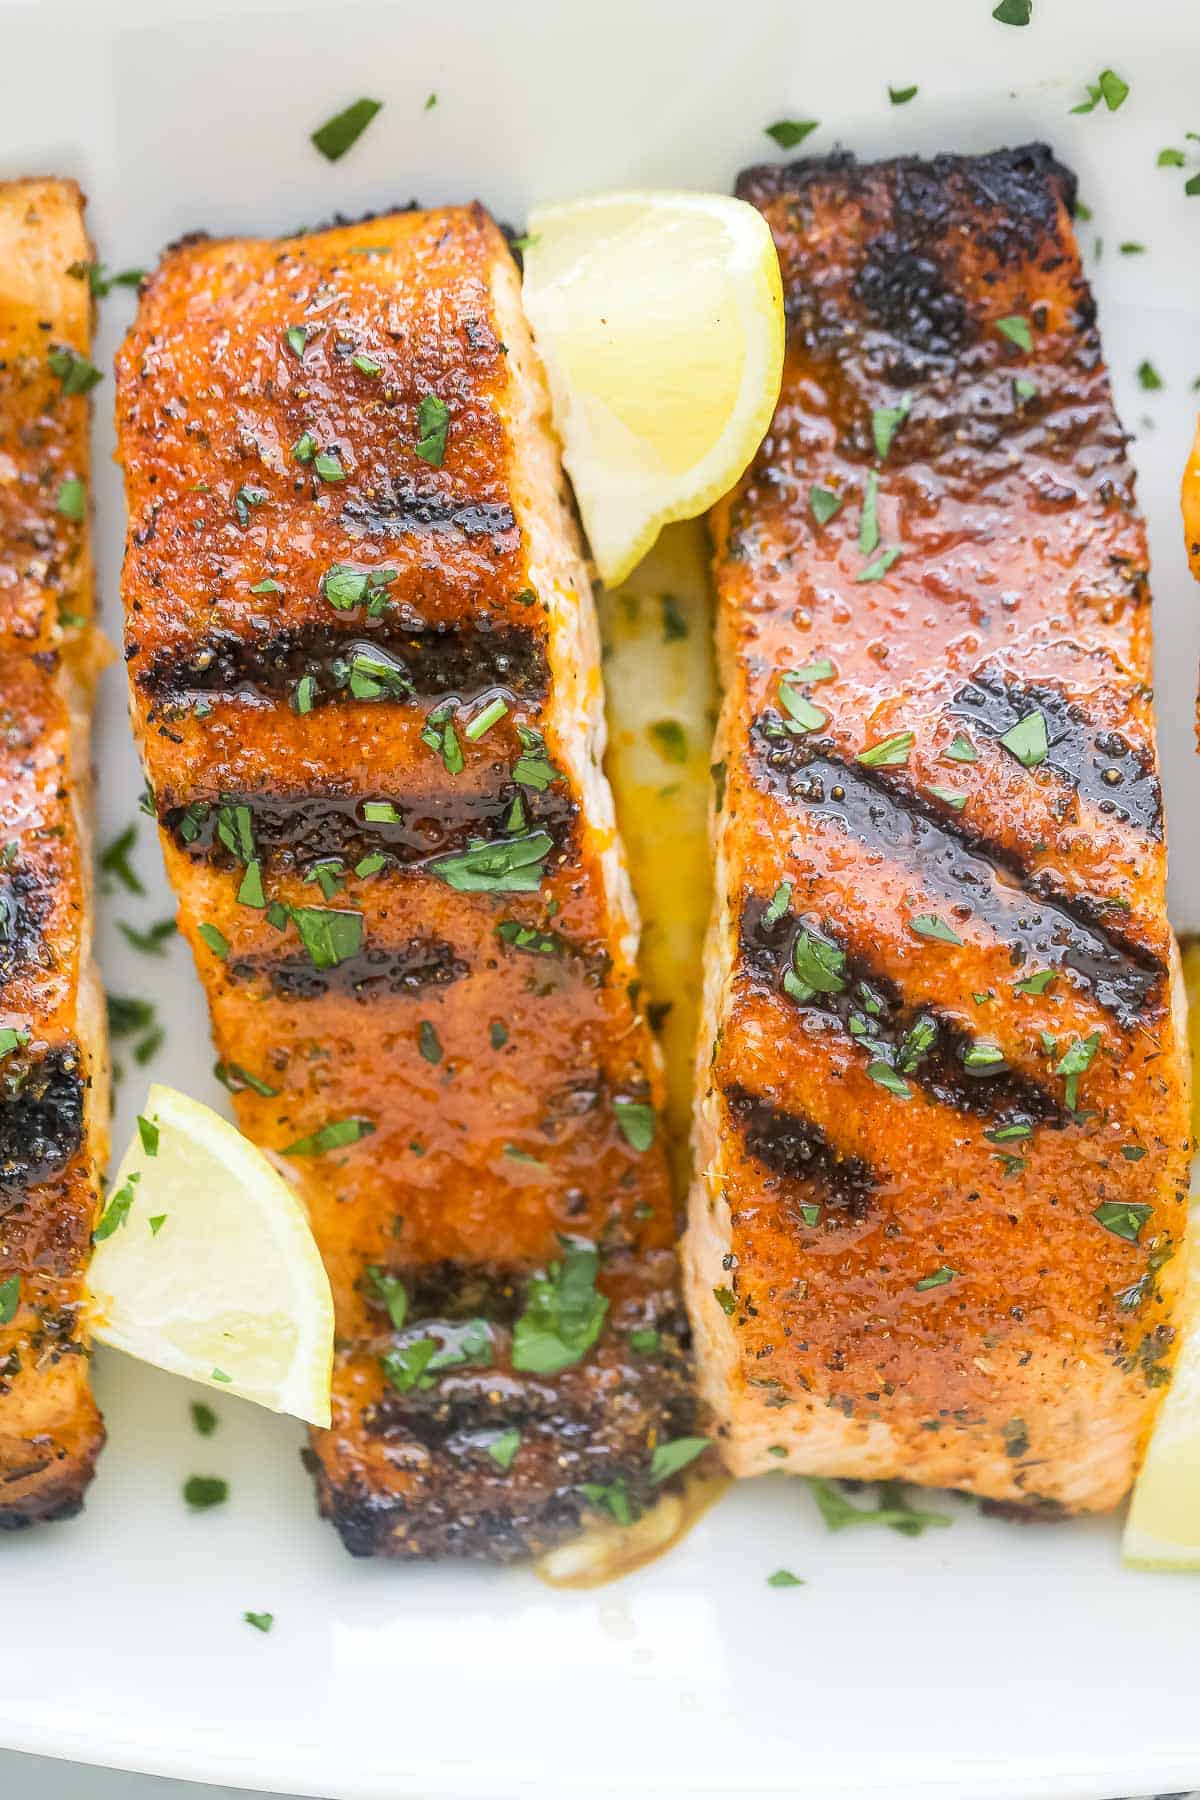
x: 1162, y: 1530
x: 659, y: 317
x: 205, y: 1265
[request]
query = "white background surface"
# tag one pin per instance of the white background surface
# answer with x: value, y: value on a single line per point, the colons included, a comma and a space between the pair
x: 987, y: 1660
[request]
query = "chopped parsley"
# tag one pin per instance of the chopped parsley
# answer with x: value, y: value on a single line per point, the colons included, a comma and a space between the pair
x: 392, y: 1291
x: 823, y: 503
x: 234, y: 1077
x: 818, y: 967
x: 887, y: 1077
x: 10, y: 1298
x: 503, y: 866
x: 216, y: 940
x: 787, y: 133
x: 533, y: 768
x: 886, y: 422
x: 296, y: 337
x: 1016, y: 329
x: 636, y: 1122
x: 331, y: 935
x: 336, y: 135
x: 245, y: 500
x: 148, y: 1133
x: 937, y: 1278
x: 76, y: 373
x: 334, y: 1136
x: 1074, y: 1062
x: 961, y: 750
x: 878, y: 569
x: 116, y: 1212
x: 783, y: 1578
x: 260, y: 1621
x: 201, y: 1491
x: 1124, y: 1218
x: 440, y: 736
x: 1149, y: 379
x: 503, y: 1448
x: 669, y: 1458
x: 868, y: 529
x: 670, y: 739
x: 1013, y: 12
x: 366, y: 365
x: 345, y: 587
x: 563, y: 1313
x: 328, y: 466
x: 613, y: 1498
x: 928, y: 925
x: 428, y: 1042
x: 152, y: 940
x: 72, y: 500
x: 433, y: 422
x: 778, y: 904
x: 1036, y: 983
x: 114, y: 861
x: 1027, y: 740
x: 726, y: 1300
x: 901, y: 96
x: 889, y: 753
x: 802, y: 714
x: 492, y: 713
x: 674, y: 625
x: 644, y: 1340
x: 948, y: 796
x: 893, y: 1509
x: 1109, y: 88
x: 203, y: 1418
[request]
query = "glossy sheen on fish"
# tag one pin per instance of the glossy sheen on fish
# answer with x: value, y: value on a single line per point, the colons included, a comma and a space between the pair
x: 53, y: 1067
x: 942, y: 1125
x: 357, y: 654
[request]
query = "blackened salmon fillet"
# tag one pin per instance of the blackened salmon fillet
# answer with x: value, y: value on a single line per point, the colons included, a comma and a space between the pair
x: 942, y: 1112
x: 53, y: 1054
x: 365, y: 677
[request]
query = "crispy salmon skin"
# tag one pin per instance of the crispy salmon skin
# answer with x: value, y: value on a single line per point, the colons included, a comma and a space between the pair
x: 53, y: 1068
x: 365, y: 678
x: 942, y: 1131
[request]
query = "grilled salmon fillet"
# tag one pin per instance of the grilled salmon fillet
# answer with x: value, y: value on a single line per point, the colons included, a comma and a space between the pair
x: 942, y: 1128
x: 365, y: 679
x: 53, y: 1067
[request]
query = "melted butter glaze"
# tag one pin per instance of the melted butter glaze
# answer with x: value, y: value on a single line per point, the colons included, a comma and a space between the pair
x: 1023, y: 563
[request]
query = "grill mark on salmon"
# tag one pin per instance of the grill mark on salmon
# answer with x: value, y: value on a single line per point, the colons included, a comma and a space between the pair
x: 53, y: 1059
x: 473, y: 1001
x: 965, y: 869
x: 41, y: 1114
x: 401, y: 511
x: 884, y: 1023
x: 798, y: 1150
x: 295, y: 830
x: 1099, y: 764
x: 431, y: 662
x: 992, y: 1293
x: 412, y: 969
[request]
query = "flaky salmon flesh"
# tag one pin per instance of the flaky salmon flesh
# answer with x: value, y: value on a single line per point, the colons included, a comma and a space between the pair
x: 941, y: 1136
x: 53, y: 1056
x: 365, y: 680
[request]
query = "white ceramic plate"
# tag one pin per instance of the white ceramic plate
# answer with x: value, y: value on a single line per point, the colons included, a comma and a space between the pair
x: 990, y: 1659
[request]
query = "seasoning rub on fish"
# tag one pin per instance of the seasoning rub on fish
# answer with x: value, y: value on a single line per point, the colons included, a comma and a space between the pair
x: 365, y: 677
x: 53, y: 1056
x: 942, y: 1123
